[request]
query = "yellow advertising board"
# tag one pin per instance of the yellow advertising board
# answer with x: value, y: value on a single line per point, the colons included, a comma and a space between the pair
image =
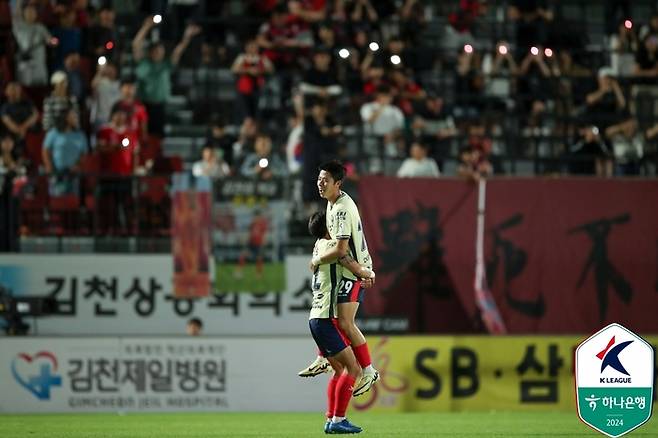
x: 474, y: 373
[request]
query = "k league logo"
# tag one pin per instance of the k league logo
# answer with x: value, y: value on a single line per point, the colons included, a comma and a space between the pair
x: 23, y: 367
x: 614, y: 381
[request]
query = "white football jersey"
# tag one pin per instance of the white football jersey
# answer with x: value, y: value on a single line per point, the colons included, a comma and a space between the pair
x: 344, y: 222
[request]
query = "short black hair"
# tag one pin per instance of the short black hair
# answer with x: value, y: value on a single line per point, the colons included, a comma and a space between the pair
x: 335, y: 168
x: 195, y: 321
x: 317, y: 225
x: 127, y: 80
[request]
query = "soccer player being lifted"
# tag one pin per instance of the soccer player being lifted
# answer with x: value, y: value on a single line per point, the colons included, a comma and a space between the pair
x: 324, y: 327
x: 344, y: 226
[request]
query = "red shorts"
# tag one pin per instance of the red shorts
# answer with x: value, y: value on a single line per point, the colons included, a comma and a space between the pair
x: 350, y: 291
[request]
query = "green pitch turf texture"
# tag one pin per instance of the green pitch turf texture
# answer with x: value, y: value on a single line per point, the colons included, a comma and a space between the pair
x: 205, y: 425
x: 273, y: 278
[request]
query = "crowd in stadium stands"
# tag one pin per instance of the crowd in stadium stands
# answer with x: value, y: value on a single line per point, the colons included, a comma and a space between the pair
x: 283, y: 85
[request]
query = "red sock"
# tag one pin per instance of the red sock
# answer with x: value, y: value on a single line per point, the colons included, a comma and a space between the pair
x: 362, y: 354
x: 331, y: 396
x: 344, y: 389
x: 320, y: 353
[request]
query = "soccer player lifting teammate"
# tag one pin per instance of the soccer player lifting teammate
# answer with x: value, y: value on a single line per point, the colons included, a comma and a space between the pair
x: 324, y: 327
x: 344, y: 225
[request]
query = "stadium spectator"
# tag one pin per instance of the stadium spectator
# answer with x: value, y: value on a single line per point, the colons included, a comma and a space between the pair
x: 650, y: 28
x: 283, y: 36
x: 154, y: 72
x: 500, y: 70
x: 418, y: 165
x: 211, y: 164
x: 250, y: 69
x: 383, y: 123
x: 459, y: 32
x: 646, y: 58
x: 69, y: 37
x: 263, y: 163
x: 623, y: 46
x: 361, y: 13
x: 117, y: 144
x: 533, y: 19
x: 311, y: 11
x: 373, y: 75
x: 136, y: 111
x: 105, y: 93
x: 32, y: 38
x: 319, y: 145
x: 18, y: 114
x: 219, y: 139
x: 536, y: 87
x: 10, y: 160
x: 606, y: 105
x: 59, y: 101
x: 469, y: 83
x: 435, y: 124
x: 627, y: 146
x: 473, y: 165
x: 102, y: 37
x: 246, y: 140
x: 63, y: 147
x: 321, y: 80
x: 77, y: 84
x: 412, y: 22
x: 80, y: 7
x: 194, y: 327
x: 327, y: 38
x: 645, y: 93
x: 407, y: 93
x: 590, y: 155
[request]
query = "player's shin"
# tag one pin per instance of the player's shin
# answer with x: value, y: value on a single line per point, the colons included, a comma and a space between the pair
x: 362, y: 354
x: 344, y: 388
x: 331, y: 396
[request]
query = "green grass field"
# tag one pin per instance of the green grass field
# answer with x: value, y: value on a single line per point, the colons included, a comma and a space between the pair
x: 461, y: 425
x: 273, y: 278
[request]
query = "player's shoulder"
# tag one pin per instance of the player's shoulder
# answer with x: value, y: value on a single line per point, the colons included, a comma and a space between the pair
x: 345, y: 201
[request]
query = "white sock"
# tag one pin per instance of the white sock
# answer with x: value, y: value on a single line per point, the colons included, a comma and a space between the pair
x: 337, y: 419
x: 369, y: 369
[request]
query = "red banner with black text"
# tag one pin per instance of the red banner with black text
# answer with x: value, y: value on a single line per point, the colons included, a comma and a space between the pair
x: 561, y: 256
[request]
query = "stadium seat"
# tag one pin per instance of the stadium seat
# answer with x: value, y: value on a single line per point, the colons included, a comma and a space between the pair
x: 63, y: 211
x: 33, y: 203
x: 33, y: 146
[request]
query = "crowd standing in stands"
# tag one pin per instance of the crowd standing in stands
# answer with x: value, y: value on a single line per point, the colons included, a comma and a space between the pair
x: 395, y: 87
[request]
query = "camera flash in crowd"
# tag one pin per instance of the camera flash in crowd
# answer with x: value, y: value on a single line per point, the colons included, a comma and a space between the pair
x: 468, y: 48
x: 373, y: 46
x: 263, y: 162
x: 109, y: 45
x: 502, y: 49
x: 125, y: 142
x: 102, y: 60
x: 157, y: 19
x: 395, y: 60
x: 344, y: 53
x: 548, y: 52
x: 628, y: 24
x: 534, y: 50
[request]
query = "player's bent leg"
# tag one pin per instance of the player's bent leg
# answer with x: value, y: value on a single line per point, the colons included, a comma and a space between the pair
x: 346, y: 315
